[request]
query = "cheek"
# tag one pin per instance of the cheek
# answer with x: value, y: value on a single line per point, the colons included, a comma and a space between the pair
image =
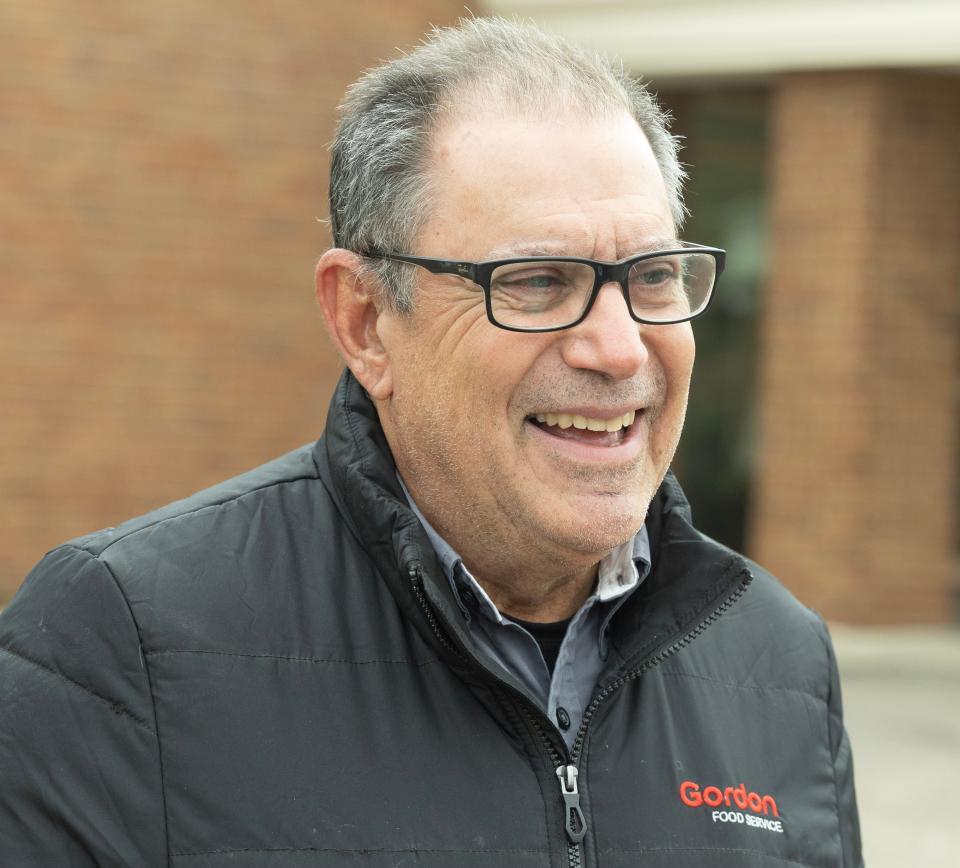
x: 490, y: 374
x: 446, y: 400
x: 676, y: 350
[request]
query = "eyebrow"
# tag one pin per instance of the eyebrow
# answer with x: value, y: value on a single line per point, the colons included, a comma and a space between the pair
x: 562, y: 248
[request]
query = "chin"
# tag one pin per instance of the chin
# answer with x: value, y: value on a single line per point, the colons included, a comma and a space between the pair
x: 602, y: 533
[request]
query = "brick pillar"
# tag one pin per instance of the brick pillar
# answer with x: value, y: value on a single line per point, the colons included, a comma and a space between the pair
x: 855, y: 492
x: 162, y: 169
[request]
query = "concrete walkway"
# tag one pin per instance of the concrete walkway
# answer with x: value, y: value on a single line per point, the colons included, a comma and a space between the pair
x: 901, y: 690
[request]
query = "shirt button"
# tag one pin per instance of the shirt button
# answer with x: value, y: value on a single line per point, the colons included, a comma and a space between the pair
x: 563, y: 718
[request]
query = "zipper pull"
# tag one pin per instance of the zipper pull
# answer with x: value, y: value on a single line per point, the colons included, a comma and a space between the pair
x: 576, y: 822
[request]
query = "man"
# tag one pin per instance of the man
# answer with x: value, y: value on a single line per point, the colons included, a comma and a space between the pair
x: 472, y: 625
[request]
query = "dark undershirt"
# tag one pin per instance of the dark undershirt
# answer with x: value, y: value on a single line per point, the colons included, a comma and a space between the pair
x: 549, y: 637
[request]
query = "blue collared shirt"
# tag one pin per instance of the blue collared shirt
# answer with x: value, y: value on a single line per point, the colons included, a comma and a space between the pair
x: 565, y: 694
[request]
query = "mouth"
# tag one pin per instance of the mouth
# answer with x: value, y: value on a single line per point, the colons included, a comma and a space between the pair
x: 603, y: 431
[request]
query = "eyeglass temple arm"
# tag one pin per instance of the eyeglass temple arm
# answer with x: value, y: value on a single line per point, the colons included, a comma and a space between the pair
x: 435, y: 266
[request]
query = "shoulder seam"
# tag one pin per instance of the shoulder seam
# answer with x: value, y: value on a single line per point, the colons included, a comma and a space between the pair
x: 115, y: 707
x: 833, y: 719
x: 188, y: 512
x: 153, y: 700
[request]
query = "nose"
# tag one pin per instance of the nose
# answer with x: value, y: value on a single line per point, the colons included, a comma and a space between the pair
x: 608, y: 340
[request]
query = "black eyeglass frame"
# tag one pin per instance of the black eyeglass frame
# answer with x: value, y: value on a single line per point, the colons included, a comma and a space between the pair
x: 604, y: 273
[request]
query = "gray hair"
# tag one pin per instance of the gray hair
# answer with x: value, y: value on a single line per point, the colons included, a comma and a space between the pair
x: 380, y: 180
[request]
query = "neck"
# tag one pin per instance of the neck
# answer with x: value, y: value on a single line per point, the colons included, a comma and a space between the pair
x: 537, y: 599
x: 532, y: 585
x: 529, y: 576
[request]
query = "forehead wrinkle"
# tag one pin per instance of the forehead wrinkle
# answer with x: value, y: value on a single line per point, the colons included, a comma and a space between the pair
x: 564, y: 248
x: 649, y: 245
x: 531, y: 248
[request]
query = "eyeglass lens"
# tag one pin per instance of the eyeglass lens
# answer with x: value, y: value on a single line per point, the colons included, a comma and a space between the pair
x: 547, y: 294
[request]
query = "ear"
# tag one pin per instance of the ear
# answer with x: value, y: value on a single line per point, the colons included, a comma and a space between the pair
x: 348, y: 298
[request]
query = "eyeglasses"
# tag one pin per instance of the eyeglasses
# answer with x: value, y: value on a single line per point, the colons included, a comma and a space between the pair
x: 549, y: 293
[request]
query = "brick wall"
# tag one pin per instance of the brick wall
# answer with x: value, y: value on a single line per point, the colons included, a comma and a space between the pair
x: 162, y: 170
x: 856, y: 495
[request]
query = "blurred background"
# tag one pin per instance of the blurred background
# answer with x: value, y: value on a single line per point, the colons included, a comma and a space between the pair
x: 162, y: 197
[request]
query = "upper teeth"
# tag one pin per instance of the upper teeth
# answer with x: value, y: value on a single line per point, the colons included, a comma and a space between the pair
x: 565, y: 420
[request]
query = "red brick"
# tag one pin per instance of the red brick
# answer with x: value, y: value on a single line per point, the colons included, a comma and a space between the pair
x: 856, y: 502
x: 162, y: 171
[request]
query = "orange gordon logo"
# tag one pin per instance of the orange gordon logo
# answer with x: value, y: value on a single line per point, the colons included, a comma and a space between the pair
x: 693, y: 796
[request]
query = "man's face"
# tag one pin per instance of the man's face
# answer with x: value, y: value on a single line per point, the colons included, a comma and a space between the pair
x: 462, y: 417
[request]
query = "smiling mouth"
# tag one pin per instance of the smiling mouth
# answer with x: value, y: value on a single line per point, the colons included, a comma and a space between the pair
x: 585, y: 429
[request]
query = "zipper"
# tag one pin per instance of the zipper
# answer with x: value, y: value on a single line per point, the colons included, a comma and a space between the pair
x: 567, y: 772
x: 655, y: 661
x: 416, y: 579
x: 575, y: 823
